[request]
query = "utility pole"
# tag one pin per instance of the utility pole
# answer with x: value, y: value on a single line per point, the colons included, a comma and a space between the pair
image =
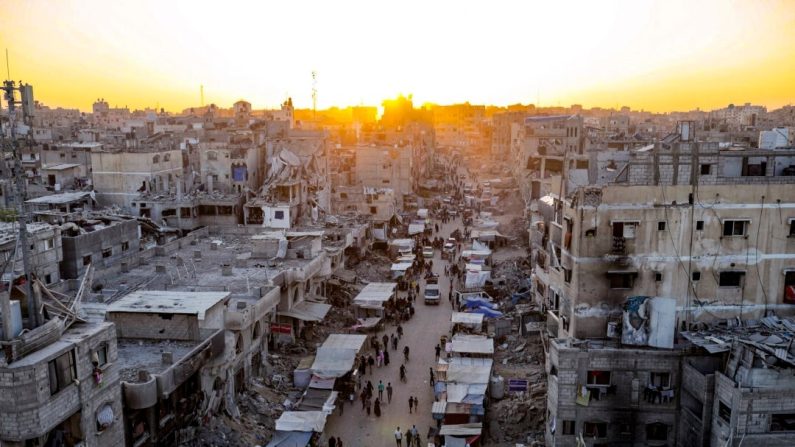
x: 314, y: 95
x: 26, y: 94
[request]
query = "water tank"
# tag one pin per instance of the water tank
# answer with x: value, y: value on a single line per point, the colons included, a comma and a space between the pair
x: 497, y: 386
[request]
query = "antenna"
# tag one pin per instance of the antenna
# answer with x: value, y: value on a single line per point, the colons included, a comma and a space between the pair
x: 8, y: 67
x: 201, y: 95
x: 314, y: 94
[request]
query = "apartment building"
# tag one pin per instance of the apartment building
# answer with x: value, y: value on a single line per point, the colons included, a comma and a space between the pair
x: 705, y: 227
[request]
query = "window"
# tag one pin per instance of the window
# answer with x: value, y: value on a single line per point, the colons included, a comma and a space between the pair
x: 566, y: 275
x: 699, y: 225
x: 86, y: 259
x: 658, y: 276
x: 125, y: 246
x: 63, y: 155
x: 598, y: 378
x: 705, y: 169
x: 595, y: 429
x: 167, y: 157
x: 49, y: 244
x: 343, y: 195
x: 621, y: 280
x: 61, y: 371
x: 48, y: 279
x: 731, y: 279
x: 789, y: 287
x: 101, y: 355
x: 661, y: 225
x: 660, y: 379
x: 656, y: 432
x: 278, y: 214
x: 735, y: 227
x: 792, y: 227
x: 696, y: 276
x: 568, y: 427
x: 373, y: 210
x: 724, y: 412
x: 108, y: 252
x: 212, y: 155
x: 624, y: 229
x: 782, y: 422
x: 156, y: 159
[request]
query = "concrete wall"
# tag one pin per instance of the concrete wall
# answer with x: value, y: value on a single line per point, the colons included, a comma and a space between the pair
x: 28, y: 410
x: 118, y: 176
x: 95, y: 243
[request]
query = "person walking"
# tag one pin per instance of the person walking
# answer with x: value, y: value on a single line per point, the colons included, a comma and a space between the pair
x: 415, y: 435
x: 339, y: 442
x: 406, y: 353
x: 363, y: 398
x: 416, y: 404
x: 433, y: 379
x: 386, y: 358
x: 370, y: 362
x: 377, y: 408
x: 332, y: 442
x: 381, y: 390
x: 398, y: 437
x: 438, y: 350
x: 411, y: 404
x: 369, y: 388
x: 385, y: 339
x: 369, y: 406
x: 394, y: 341
x: 399, y: 331
x: 389, y: 392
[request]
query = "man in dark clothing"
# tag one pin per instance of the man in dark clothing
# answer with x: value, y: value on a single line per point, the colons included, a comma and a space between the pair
x: 389, y: 392
x: 438, y: 351
x: 411, y: 403
x: 433, y: 379
x: 332, y: 442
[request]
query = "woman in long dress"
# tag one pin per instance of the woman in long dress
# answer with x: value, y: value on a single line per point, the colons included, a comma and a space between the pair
x: 377, y: 408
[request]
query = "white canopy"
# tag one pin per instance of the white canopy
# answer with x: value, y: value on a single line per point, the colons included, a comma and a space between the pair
x: 467, y: 318
x: 473, y: 344
x: 301, y: 421
x: 333, y: 362
x: 375, y: 294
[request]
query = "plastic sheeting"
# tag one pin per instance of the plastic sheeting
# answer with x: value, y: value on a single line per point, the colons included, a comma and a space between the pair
x: 290, y: 439
x: 333, y: 362
x: 305, y: 421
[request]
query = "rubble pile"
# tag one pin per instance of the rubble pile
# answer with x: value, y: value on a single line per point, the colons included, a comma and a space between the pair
x: 520, y: 416
x: 511, y: 276
x: 374, y: 268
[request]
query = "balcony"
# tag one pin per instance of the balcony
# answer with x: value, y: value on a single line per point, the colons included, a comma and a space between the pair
x: 619, y: 246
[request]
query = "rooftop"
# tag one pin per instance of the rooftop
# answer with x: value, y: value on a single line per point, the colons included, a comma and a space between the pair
x: 147, y: 355
x: 151, y: 301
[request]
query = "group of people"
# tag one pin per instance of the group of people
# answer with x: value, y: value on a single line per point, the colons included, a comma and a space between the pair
x: 374, y: 397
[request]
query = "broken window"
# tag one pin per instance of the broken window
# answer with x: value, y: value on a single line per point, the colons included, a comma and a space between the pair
x: 705, y: 169
x: 156, y: 159
x: 735, y: 227
x: 61, y: 371
x: 731, y: 279
x: 48, y: 279
x: 86, y: 259
x: 49, y: 244
x: 568, y: 427
x: 699, y: 225
x: 624, y: 230
x: 724, y: 412
x: 620, y: 280
x: 792, y: 227
x: 169, y: 212
x: 373, y: 210
x: 782, y: 422
x: 101, y: 355
x: 595, y: 429
x: 661, y: 225
x: 658, y: 276
x: 184, y: 212
x: 125, y: 246
x: 225, y: 210
x: 566, y: 275
x: 107, y: 252
x: 212, y: 155
x: 656, y: 432
x: 596, y: 377
x: 278, y: 214
x: 696, y: 276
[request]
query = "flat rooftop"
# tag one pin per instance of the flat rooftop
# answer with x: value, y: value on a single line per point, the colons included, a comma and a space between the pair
x: 147, y: 355
x: 168, y: 302
x: 184, y: 272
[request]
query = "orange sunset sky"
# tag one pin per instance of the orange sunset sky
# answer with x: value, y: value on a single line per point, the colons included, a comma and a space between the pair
x: 654, y: 55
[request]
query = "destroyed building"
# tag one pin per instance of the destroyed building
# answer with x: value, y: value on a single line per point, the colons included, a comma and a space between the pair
x: 638, y: 245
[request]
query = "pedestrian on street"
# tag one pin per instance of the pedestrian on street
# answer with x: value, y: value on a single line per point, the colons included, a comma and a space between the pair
x: 332, y: 442
x: 370, y: 362
x: 363, y: 397
x: 411, y: 404
x: 369, y: 407
x: 339, y: 442
x: 398, y: 437
x: 381, y: 390
x: 377, y: 408
x: 386, y: 358
x: 389, y: 392
x: 394, y: 342
x: 438, y: 351
x: 409, y: 439
x: 369, y: 388
x: 400, y: 331
x: 415, y: 435
x: 380, y: 359
x: 433, y: 379
x: 385, y: 339
x: 416, y: 404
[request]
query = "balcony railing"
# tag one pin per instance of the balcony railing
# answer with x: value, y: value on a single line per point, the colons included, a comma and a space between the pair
x: 619, y: 246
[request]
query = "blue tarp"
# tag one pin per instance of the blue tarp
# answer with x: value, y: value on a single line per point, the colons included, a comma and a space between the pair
x: 474, y: 302
x: 491, y: 313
